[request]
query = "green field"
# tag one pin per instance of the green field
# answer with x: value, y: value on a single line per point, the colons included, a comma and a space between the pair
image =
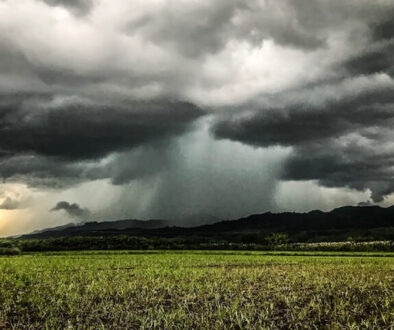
x: 205, y: 290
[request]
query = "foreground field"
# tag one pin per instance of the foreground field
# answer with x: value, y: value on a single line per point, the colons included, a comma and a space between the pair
x: 197, y: 290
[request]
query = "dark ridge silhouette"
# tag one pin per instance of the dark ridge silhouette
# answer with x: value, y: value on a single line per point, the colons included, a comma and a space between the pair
x: 371, y: 222
x: 95, y: 228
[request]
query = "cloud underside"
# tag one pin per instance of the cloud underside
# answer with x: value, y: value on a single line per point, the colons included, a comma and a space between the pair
x: 71, y: 131
x: 101, y: 89
x: 341, y: 141
x: 47, y: 142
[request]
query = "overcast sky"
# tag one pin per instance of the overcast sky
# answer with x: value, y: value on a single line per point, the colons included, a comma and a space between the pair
x: 192, y: 110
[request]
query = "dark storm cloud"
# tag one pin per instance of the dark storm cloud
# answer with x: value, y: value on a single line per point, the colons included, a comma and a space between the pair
x: 206, y: 27
x: 379, y: 55
x: 303, y: 123
x: 44, y: 172
x: 379, y: 58
x: 200, y: 29
x: 340, y: 134
x: 88, y: 131
x: 181, y: 27
x: 336, y: 163
x: 73, y: 210
x: 383, y: 29
x: 54, y: 141
x: 340, y: 141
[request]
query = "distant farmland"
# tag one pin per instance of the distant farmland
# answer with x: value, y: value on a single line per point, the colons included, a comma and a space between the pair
x: 210, y: 289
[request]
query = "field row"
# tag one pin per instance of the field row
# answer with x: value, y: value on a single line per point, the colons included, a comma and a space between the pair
x: 196, y: 290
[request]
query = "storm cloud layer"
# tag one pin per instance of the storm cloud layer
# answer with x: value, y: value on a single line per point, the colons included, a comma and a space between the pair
x: 195, y: 107
x: 76, y: 130
x: 341, y: 141
x: 340, y: 128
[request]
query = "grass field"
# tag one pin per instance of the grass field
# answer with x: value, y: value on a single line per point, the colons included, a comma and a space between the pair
x: 205, y: 290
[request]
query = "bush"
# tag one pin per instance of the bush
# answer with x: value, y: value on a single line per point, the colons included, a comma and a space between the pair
x: 6, y: 243
x: 9, y: 251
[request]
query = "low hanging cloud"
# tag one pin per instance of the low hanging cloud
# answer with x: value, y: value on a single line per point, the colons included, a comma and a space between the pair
x: 72, y: 209
x: 49, y: 141
x: 9, y: 204
x: 87, y: 131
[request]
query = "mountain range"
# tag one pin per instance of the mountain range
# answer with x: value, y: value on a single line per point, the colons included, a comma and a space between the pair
x: 367, y: 222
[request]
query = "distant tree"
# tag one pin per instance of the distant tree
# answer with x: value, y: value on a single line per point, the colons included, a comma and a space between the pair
x: 276, y: 239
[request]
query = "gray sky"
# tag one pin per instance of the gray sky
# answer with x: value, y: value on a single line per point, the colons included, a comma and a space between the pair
x: 192, y: 110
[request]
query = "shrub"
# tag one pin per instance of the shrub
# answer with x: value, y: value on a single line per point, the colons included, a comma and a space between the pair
x: 8, y: 251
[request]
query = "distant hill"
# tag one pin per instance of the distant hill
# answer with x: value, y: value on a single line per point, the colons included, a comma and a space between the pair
x: 96, y: 228
x: 347, y: 217
x: 371, y: 222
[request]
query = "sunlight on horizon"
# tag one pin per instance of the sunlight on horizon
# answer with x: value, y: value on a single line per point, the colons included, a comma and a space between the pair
x: 10, y: 223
